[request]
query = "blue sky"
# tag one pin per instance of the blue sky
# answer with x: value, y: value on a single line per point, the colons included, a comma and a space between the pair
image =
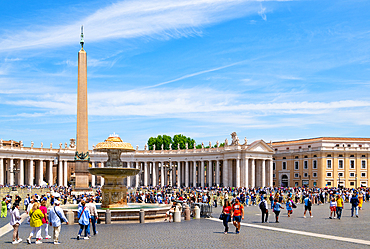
x: 271, y: 70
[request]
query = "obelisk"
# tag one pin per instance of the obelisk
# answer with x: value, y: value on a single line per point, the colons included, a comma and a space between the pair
x: 82, y: 117
x: 82, y: 149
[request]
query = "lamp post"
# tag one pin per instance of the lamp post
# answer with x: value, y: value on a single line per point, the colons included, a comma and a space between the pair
x: 170, y: 171
x: 356, y: 181
x: 339, y: 180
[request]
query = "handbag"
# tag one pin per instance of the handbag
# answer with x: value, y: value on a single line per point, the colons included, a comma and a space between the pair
x: 222, y: 216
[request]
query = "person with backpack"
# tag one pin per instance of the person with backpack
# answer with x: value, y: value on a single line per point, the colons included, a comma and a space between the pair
x: 354, y: 201
x: 264, y: 209
x: 289, y: 206
x: 56, y: 217
x: 84, y: 219
x: 307, y: 206
x: 277, y: 207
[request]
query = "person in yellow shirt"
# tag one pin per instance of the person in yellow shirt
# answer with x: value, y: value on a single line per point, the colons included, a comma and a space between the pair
x: 360, y: 201
x: 36, y: 217
x: 340, y: 202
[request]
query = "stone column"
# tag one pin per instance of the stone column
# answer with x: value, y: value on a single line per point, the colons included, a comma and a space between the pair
x: 202, y: 173
x: 217, y: 173
x: 154, y: 175
x: 128, y: 179
x: 2, y: 171
x: 271, y: 179
x: 146, y: 173
x: 253, y: 173
x: 210, y: 173
x: 30, y: 173
x: 40, y: 173
x: 246, y: 172
x: 65, y: 174
x: 237, y: 173
x: 60, y: 173
x: 21, y: 172
x: 225, y: 173
x: 162, y: 174
x: 137, y: 176
x: 93, y: 177
x: 194, y: 173
x: 178, y: 174
x: 50, y: 172
x: 11, y: 172
x: 263, y: 174
x: 186, y: 173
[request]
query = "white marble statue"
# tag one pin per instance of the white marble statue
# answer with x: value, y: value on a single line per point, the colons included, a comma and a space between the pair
x: 162, y: 146
x: 202, y: 145
x: 178, y: 146
x: 218, y: 144
x: 153, y: 146
x: 32, y: 144
x: 235, y: 139
x: 137, y: 147
x: 42, y: 145
x: 60, y: 146
x: 186, y: 146
x: 210, y: 144
x: 51, y: 145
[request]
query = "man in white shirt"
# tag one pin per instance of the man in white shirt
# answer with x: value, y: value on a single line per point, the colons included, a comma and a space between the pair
x: 56, y: 217
x: 94, y: 216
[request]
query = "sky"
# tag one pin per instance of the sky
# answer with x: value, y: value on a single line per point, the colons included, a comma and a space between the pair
x: 271, y: 70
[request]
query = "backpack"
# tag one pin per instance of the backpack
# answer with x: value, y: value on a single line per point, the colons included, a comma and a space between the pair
x: 309, y: 202
x: 262, y: 205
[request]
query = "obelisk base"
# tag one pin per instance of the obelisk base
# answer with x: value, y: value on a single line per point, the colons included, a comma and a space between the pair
x: 81, y: 176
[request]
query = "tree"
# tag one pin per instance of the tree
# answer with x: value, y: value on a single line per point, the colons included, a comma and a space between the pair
x: 167, y: 140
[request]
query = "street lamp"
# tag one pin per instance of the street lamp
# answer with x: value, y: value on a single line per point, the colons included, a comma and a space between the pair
x: 356, y: 181
x: 339, y: 180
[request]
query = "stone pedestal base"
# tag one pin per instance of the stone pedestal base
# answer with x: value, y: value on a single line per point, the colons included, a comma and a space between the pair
x: 82, y: 176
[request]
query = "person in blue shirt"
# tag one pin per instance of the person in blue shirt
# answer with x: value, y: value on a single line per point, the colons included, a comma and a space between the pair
x: 84, y: 219
x: 56, y: 217
x: 289, y: 206
x: 277, y: 207
x: 307, y: 206
x: 354, y: 202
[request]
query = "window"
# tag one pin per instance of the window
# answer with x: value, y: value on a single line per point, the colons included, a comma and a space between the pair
x: 296, y: 175
x: 328, y: 174
x: 287, y: 148
x: 363, y: 164
x: 349, y: 145
x: 352, y: 164
x: 363, y: 156
x: 340, y: 174
x: 340, y: 164
x: 296, y: 165
x: 296, y: 157
x: 352, y: 183
x: 274, y: 166
x: 328, y: 155
x: 274, y: 175
x: 305, y: 157
x: 309, y: 146
x: 328, y: 183
x: 363, y: 174
x: 314, y: 156
x: 305, y: 165
x: 305, y: 175
x: 328, y: 164
x: 296, y: 184
x: 314, y: 184
x: 352, y: 156
x: 314, y: 174
x: 284, y: 157
x: 314, y: 164
x: 284, y: 165
x: 351, y: 174
x: 340, y: 155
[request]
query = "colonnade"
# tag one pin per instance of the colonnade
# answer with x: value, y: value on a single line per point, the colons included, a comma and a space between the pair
x: 20, y: 171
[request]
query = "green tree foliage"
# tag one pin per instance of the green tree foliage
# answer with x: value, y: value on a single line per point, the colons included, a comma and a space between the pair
x: 167, y: 141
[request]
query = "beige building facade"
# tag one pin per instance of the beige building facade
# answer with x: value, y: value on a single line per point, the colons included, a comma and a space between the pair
x: 322, y: 162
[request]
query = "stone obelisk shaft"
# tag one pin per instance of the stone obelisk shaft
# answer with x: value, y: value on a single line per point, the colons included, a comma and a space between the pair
x: 82, y: 117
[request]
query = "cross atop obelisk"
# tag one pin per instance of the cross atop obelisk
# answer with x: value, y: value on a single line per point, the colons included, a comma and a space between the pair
x: 82, y: 117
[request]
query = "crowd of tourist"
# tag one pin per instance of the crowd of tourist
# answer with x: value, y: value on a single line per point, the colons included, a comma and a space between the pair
x: 44, y: 210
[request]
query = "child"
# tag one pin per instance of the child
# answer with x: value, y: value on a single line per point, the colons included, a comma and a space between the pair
x: 333, y: 208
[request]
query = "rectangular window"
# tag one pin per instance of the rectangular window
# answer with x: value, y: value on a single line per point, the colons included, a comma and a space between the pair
x: 314, y: 174
x: 296, y: 165
x: 296, y: 175
x: 351, y: 174
x: 274, y: 166
x: 340, y: 164
x: 305, y: 165
x: 352, y: 164
x: 314, y: 164
x: 352, y: 183
x: 363, y: 164
x: 273, y: 175
x: 340, y: 174
x: 328, y: 183
x: 314, y: 184
x: 363, y: 174
x: 305, y: 175
x: 328, y: 164
x: 328, y: 174
x: 284, y: 165
x: 296, y: 184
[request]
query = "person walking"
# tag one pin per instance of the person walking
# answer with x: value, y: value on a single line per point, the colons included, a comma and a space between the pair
x: 4, y: 209
x: 333, y: 208
x: 307, y: 206
x: 15, y: 221
x: 237, y: 213
x: 354, y: 202
x: 277, y: 207
x: 226, y: 210
x: 36, y: 217
x: 264, y: 209
x: 289, y: 206
x: 84, y: 219
x: 56, y: 218
x: 45, y: 221
x: 339, y: 208
x: 94, y: 216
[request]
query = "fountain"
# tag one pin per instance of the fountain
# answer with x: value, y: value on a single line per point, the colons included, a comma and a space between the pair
x: 114, y: 192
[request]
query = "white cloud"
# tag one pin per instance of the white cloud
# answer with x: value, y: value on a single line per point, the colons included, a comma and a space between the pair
x: 130, y: 19
x: 262, y: 13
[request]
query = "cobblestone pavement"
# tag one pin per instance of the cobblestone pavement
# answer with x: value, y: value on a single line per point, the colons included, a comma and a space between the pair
x: 206, y: 233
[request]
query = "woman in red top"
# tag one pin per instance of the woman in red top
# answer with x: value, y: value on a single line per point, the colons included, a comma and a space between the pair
x: 45, y: 221
x: 226, y: 210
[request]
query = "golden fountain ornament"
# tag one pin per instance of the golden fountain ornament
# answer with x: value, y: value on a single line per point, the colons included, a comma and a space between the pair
x: 114, y: 191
